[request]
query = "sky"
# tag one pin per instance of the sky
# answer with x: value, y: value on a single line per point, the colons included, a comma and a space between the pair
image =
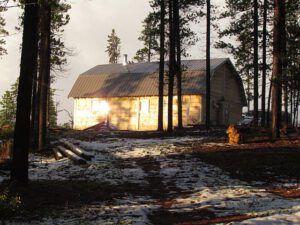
x: 91, y: 22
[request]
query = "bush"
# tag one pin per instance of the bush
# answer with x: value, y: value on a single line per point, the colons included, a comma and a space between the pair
x: 6, y: 133
x: 9, y: 204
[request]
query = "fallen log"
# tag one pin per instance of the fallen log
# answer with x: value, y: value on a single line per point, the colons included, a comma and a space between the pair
x: 57, y: 154
x: 71, y: 155
x: 77, y: 150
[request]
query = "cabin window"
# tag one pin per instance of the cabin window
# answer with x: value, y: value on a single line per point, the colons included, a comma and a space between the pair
x: 144, y: 106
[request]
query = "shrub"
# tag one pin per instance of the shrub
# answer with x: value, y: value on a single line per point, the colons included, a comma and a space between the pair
x: 9, y: 204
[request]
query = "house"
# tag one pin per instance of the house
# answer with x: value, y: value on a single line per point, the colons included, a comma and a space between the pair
x: 127, y: 95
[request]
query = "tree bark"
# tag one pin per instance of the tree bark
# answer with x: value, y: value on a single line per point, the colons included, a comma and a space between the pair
x: 161, y: 67
x: 269, y: 104
x: 264, y: 67
x: 171, y: 67
x: 207, y: 116
x: 19, y: 167
x: 44, y: 73
x: 255, y: 63
x: 279, y: 13
x: 284, y: 70
x: 178, y: 61
x: 33, y: 130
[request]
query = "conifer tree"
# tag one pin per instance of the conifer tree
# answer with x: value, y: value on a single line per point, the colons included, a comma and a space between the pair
x: 278, y: 59
x: 161, y: 65
x: 8, y: 104
x: 149, y: 37
x: 207, y: 106
x: 19, y: 167
x: 3, y: 31
x: 243, y: 42
x: 113, y: 49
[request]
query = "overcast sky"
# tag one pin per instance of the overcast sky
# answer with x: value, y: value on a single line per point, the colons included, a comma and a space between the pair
x: 91, y: 22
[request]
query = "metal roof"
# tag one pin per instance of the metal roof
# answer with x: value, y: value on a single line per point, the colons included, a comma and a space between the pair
x: 151, y: 67
x: 140, y: 79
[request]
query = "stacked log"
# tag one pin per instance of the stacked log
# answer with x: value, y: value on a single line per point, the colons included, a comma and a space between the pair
x: 67, y: 149
x: 71, y: 155
x: 77, y: 150
x: 57, y: 154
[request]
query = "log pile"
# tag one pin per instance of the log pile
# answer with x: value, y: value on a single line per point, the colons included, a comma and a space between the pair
x: 67, y: 149
x: 240, y: 135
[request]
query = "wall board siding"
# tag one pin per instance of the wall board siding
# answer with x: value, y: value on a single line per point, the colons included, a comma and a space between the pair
x: 125, y: 112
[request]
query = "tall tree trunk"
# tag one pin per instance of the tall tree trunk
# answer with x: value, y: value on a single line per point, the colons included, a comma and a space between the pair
x: 178, y: 61
x: 248, y: 90
x: 207, y: 116
x: 33, y: 126
x: 161, y: 66
x: 291, y: 105
x: 296, y: 108
x: 44, y: 73
x: 269, y: 104
x: 19, y: 167
x: 255, y: 63
x: 171, y: 67
x: 279, y: 13
x: 284, y: 70
x: 264, y: 69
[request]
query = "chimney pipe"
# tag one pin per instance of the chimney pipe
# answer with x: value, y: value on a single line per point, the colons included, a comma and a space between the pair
x: 125, y: 60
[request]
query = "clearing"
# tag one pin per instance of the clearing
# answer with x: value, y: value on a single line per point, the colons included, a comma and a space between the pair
x: 182, y: 180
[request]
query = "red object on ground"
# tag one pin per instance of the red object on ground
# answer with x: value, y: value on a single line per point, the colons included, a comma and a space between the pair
x: 103, y: 126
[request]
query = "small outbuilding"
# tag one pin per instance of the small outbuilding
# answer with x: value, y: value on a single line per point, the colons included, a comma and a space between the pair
x: 127, y: 95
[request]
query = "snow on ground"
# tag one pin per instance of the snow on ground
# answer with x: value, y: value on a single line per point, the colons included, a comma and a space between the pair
x: 190, y: 183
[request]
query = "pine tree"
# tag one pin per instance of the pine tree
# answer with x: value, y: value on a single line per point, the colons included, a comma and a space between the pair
x: 7, y: 111
x: 52, y: 60
x: 44, y: 72
x: 149, y: 38
x: 177, y: 66
x: 59, y: 51
x: 292, y: 59
x: 172, y: 62
x: 3, y: 31
x: 207, y: 106
x: 161, y: 65
x: 278, y: 61
x: 8, y: 106
x: 242, y: 31
x: 52, y: 110
x: 264, y: 64
x: 141, y: 55
x: 19, y: 167
x: 255, y: 61
x: 113, y: 49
